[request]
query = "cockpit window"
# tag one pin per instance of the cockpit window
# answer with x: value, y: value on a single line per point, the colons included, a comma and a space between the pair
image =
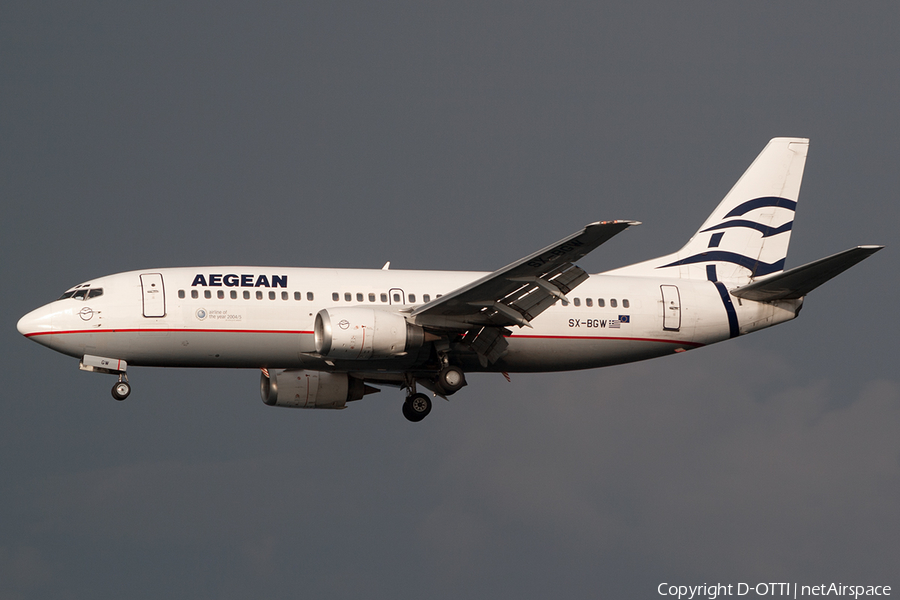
x: 82, y: 293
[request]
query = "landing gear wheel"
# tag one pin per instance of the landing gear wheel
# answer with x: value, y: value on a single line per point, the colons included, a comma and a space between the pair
x: 417, y: 407
x: 121, y: 390
x: 451, y: 379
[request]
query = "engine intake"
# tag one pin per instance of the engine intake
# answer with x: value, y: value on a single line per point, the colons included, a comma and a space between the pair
x: 362, y: 333
x: 299, y: 388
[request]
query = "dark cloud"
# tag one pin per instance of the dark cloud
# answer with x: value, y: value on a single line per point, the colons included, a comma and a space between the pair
x: 682, y: 469
x: 452, y: 136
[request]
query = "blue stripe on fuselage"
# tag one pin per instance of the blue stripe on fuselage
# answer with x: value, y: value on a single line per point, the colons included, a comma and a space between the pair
x: 733, y: 328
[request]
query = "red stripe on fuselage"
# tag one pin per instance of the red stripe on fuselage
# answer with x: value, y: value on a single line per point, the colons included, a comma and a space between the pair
x: 601, y: 337
x: 536, y: 337
x: 164, y: 331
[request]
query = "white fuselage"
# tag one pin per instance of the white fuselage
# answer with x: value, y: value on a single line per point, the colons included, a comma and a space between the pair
x: 252, y: 317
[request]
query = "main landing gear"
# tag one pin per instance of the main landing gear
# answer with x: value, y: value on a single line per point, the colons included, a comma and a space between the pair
x: 416, y: 407
x: 449, y: 380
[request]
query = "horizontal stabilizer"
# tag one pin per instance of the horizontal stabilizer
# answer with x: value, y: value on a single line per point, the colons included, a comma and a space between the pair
x: 799, y: 281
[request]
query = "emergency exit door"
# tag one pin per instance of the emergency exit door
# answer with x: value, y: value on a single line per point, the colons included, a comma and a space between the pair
x: 397, y: 296
x: 671, y: 307
x: 154, y: 295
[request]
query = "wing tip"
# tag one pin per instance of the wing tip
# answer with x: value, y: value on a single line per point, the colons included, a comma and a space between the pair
x: 628, y: 222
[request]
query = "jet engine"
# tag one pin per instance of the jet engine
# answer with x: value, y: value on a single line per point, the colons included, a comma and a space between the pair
x: 298, y: 388
x: 361, y: 333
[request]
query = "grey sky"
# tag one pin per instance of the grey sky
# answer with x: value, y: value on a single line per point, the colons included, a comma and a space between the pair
x: 454, y: 136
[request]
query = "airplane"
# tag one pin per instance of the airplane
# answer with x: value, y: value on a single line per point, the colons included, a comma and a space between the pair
x: 325, y: 337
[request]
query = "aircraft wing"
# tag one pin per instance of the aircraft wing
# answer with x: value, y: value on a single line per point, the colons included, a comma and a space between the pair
x: 521, y: 291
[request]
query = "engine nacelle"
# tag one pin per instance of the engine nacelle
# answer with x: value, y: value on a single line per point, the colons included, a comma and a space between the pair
x: 299, y: 388
x: 361, y: 333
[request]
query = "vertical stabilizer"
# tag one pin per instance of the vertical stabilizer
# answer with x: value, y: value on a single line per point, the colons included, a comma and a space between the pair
x: 747, y: 235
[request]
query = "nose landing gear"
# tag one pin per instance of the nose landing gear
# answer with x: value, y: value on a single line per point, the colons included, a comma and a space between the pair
x: 111, y: 366
x: 122, y: 389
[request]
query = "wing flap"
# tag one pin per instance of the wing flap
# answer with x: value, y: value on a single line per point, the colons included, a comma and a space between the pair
x: 520, y: 291
x: 489, y: 343
x: 799, y: 281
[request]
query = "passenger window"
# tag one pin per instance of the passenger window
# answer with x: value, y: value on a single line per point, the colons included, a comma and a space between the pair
x: 207, y: 294
x: 601, y: 302
x: 194, y: 294
x: 412, y: 298
x: 396, y: 297
x: 384, y: 297
x: 99, y: 292
x: 348, y: 296
x: 626, y: 304
x: 297, y: 296
x: 271, y: 295
x: 439, y: 295
x: 589, y: 301
x: 426, y: 298
x: 335, y: 296
x: 613, y: 303
x: 284, y: 295
x: 577, y: 301
x: 181, y: 294
x: 259, y: 294
x: 233, y: 294
x: 309, y: 296
x: 220, y: 294
x: 371, y: 297
x: 359, y: 297
x: 565, y: 302
x: 246, y: 294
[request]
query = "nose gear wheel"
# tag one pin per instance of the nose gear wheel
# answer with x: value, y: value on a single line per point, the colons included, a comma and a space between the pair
x: 121, y: 389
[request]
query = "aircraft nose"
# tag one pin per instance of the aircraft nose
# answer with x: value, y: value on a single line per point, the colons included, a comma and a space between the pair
x: 35, y: 322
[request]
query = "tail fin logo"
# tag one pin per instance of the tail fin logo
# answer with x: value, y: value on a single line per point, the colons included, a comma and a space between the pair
x: 748, y: 234
x: 743, y: 209
x: 757, y: 203
x: 756, y: 267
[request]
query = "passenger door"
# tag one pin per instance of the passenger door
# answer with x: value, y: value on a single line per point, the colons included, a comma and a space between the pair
x: 154, y: 295
x: 671, y: 308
